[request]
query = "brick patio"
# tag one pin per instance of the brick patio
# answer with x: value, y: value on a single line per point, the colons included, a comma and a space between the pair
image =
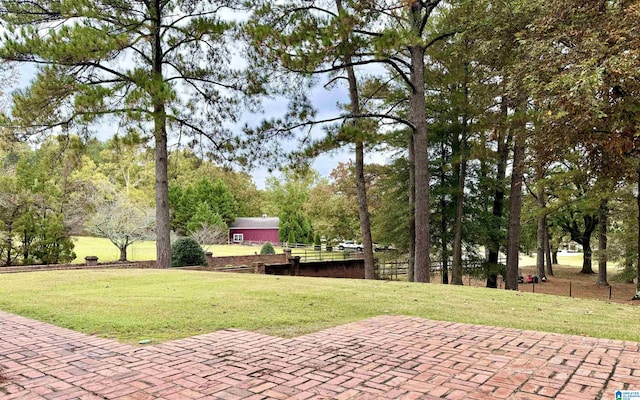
x: 386, y: 357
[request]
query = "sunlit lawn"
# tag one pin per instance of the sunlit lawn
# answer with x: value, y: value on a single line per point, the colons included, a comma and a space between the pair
x: 143, y: 251
x: 133, y: 305
x: 146, y: 250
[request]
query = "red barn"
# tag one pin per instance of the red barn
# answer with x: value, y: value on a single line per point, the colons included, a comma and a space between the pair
x: 260, y: 230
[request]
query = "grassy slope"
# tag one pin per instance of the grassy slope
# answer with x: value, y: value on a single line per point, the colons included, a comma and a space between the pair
x: 132, y: 305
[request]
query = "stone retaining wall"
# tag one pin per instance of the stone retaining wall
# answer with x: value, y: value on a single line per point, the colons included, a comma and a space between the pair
x: 60, y: 267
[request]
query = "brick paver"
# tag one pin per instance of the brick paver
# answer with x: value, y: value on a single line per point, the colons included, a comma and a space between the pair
x: 387, y: 357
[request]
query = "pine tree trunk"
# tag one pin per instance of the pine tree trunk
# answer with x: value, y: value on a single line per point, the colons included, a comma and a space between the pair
x: 444, y: 251
x: 602, y: 244
x: 363, y: 207
x: 163, y: 238
x: 547, y: 248
x: 444, y: 225
x: 412, y: 220
x: 540, y: 254
x: 515, y: 208
x: 9, y: 243
x: 541, y: 232
x: 456, y: 267
x: 363, y: 210
x: 498, y: 196
x: 638, y: 243
x: 418, y: 118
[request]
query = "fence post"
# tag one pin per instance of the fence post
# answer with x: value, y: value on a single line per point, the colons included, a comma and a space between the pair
x: 569, y: 288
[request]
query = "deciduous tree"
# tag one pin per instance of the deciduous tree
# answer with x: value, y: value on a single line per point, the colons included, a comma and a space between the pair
x: 122, y: 221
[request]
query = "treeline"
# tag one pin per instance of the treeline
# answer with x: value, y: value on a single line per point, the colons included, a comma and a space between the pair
x: 72, y: 186
x: 69, y: 186
x: 507, y: 124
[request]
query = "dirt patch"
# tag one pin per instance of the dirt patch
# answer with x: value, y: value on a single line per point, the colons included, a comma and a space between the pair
x: 568, y: 281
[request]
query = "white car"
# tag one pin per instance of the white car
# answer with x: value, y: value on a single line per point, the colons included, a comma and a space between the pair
x: 350, y: 245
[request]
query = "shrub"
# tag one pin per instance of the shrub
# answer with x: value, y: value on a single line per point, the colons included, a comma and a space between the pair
x: 186, y: 251
x: 267, y: 248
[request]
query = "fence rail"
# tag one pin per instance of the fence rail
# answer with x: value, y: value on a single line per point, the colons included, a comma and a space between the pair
x: 309, y: 254
x: 395, y: 269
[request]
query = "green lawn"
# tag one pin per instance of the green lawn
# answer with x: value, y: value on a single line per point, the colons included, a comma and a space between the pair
x: 144, y: 251
x: 133, y: 305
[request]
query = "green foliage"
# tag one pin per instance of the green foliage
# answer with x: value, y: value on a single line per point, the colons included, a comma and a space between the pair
x: 205, y: 216
x: 291, y: 237
x: 185, y: 252
x: 267, y: 248
x: 203, y: 203
x: 332, y: 211
x: 487, y: 269
x: 187, y: 168
x: 39, y: 201
x: 390, y: 222
x: 52, y: 243
x: 295, y: 227
x: 316, y: 239
x: 128, y: 164
x: 287, y: 197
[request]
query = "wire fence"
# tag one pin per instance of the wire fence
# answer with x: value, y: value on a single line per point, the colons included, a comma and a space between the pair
x: 618, y: 291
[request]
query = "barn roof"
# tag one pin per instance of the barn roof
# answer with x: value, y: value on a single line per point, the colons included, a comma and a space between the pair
x: 255, y: 223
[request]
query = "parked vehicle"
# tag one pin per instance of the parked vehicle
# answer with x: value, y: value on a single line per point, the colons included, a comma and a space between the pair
x: 350, y: 245
x: 379, y: 247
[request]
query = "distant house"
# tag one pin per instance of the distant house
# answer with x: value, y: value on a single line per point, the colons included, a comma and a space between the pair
x: 262, y: 229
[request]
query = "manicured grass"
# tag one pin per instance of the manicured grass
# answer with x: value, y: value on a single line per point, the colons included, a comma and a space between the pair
x: 143, y: 251
x: 132, y: 305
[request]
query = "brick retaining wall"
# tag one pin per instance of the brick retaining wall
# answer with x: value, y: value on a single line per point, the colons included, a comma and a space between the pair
x: 219, y: 262
x: 238, y: 269
x: 333, y: 269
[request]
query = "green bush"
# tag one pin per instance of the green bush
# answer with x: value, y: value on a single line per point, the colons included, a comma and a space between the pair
x: 267, y: 248
x: 186, y: 251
